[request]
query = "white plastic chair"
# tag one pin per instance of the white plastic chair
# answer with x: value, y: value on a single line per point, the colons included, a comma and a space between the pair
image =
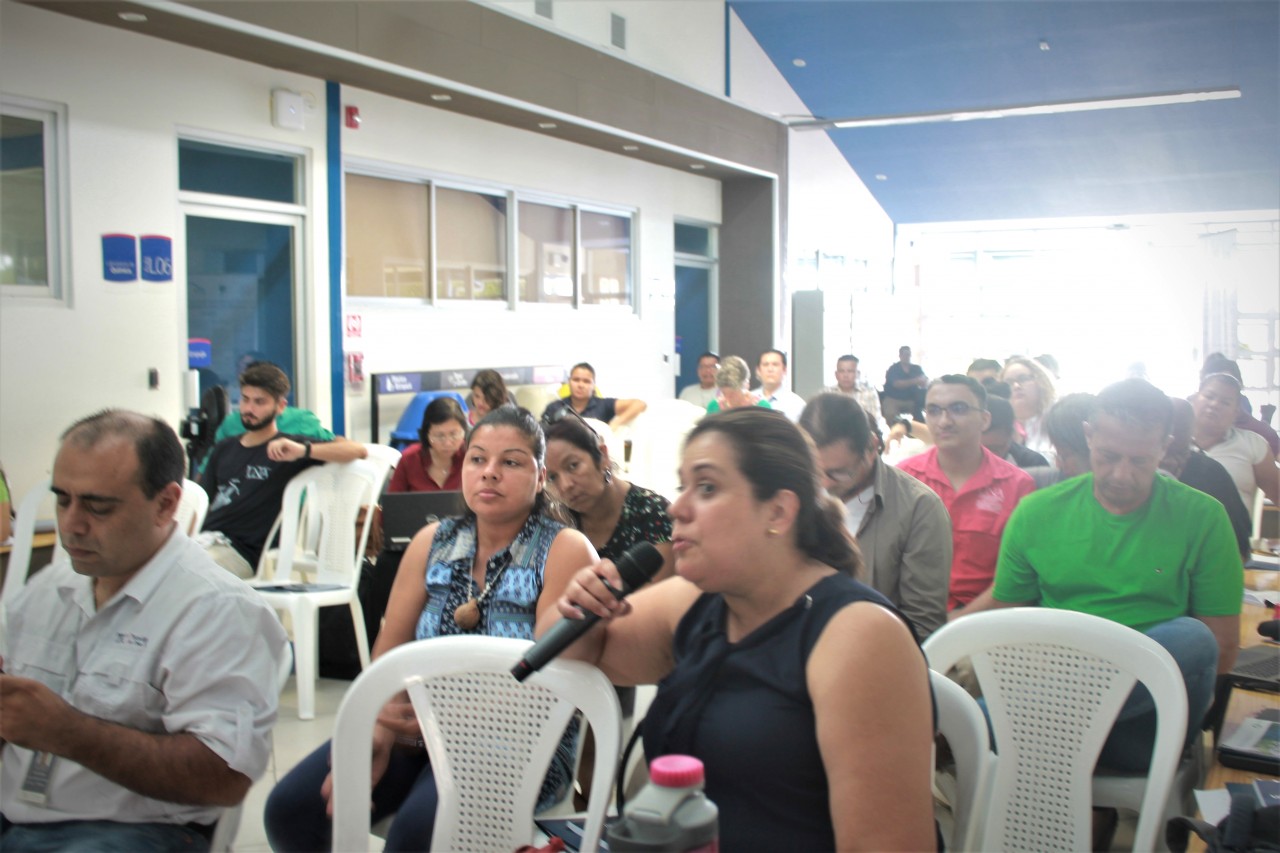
x: 24, y: 531
x: 308, y: 539
x: 388, y: 456
x: 963, y: 724
x: 192, y: 508
x: 490, y: 738
x: 657, y: 437
x: 1054, y: 682
x: 334, y: 494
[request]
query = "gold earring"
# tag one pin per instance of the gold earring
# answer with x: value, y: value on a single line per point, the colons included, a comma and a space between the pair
x: 772, y: 531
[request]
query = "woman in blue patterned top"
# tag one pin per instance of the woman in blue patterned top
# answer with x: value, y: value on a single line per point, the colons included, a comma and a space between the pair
x: 498, y: 571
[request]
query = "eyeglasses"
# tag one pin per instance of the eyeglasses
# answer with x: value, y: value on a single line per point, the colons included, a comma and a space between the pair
x: 456, y: 435
x: 843, y: 477
x: 553, y: 417
x: 956, y: 410
x: 1020, y: 379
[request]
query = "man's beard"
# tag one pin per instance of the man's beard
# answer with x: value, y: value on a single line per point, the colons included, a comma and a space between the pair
x: 255, y: 426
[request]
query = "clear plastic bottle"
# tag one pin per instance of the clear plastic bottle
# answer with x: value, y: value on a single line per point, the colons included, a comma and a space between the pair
x: 671, y: 813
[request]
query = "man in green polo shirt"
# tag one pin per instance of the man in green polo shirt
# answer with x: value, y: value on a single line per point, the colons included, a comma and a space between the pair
x: 1126, y: 544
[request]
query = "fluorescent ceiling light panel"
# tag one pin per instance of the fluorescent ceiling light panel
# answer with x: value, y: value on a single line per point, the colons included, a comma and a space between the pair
x: 1051, y: 108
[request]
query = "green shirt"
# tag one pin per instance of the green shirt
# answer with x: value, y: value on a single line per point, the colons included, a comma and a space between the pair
x: 1175, y: 556
x: 290, y: 422
x: 714, y: 405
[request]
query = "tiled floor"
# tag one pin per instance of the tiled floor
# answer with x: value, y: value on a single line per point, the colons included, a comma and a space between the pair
x: 294, y: 739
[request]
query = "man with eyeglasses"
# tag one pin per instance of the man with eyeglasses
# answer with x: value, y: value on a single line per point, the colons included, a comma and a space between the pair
x: 978, y: 488
x: 901, y: 525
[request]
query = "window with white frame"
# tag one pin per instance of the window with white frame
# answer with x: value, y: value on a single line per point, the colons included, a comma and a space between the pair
x: 409, y: 237
x: 32, y: 197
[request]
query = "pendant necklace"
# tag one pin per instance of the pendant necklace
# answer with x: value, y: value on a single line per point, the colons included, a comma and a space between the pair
x: 467, y: 615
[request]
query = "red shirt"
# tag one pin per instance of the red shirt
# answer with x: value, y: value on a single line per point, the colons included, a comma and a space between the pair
x: 979, y: 512
x: 411, y: 472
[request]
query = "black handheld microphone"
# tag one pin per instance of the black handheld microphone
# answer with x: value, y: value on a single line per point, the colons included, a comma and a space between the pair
x: 1270, y: 629
x: 640, y: 563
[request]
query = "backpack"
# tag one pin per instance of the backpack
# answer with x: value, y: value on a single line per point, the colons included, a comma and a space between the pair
x: 1247, y: 828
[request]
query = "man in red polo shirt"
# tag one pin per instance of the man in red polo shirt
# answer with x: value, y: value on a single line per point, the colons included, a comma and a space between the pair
x: 978, y: 488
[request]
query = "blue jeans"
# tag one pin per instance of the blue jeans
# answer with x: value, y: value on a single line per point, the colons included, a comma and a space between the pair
x: 100, y: 836
x: 295, y: 816
x: 1195, y: 650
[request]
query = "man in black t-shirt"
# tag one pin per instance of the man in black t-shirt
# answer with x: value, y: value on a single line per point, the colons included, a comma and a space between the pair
x: 246, y: 474
x: 904, y: 388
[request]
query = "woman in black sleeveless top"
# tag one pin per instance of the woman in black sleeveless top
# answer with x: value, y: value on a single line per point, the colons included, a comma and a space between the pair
x: 802, y: 691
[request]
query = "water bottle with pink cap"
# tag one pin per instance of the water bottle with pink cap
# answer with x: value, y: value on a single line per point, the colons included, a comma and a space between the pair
x: 671, y: 813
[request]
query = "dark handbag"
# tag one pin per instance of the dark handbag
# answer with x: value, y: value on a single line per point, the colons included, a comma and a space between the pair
x: 1247, y: 828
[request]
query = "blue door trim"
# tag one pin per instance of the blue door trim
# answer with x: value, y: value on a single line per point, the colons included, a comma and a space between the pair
x: 333, y: 147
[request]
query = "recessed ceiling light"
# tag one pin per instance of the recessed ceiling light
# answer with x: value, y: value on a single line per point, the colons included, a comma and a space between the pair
x: 882, y: 177
x: 547, y: 125
x: 798, y: 62
x: 1044, y: 44
x: 631, y: 148
x: 440, y: 96
x: 132, y: 17
x: 697, y: 167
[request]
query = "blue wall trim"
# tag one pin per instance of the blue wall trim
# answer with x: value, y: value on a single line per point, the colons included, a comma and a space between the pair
x: 333, y: 147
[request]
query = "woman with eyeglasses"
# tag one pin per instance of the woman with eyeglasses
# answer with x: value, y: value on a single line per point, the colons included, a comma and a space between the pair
x: 434, y: 463
x: 1245, y: 455
x: 496, y: 571
x: 1032, y: 392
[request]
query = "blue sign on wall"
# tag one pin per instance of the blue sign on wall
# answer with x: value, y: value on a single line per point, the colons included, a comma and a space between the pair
x: 119, y: 257
x: 157, y: 257
x: 199, y: 353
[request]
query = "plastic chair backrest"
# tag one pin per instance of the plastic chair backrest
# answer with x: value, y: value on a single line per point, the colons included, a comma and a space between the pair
x: 333, y: 495
x: 963, y: 724
x: 657, y: 439
x: 192, y: 508
x: 1053, y: 682
x: 490, y: 738
x: 384, y: 455
x: 24, y: 531
x: 406, y: 431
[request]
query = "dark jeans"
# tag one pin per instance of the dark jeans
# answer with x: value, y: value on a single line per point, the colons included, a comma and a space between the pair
x: 295, y: 816
x: 101, y: 836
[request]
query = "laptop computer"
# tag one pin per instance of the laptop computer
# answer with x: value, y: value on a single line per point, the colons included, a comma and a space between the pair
x: 405, y: 513
x: 1257, y: 668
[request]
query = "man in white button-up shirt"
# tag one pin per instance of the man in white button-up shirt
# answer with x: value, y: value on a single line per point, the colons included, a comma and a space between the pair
x: 140, y: 679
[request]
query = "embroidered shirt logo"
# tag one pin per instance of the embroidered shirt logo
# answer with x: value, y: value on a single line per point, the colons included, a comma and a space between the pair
x: 991, y: 499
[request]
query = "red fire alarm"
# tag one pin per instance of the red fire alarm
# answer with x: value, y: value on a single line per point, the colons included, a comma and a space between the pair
x: 353, y: 118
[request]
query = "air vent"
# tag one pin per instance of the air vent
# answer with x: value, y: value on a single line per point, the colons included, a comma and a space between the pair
x: 542, y: 8
x: 618, y: 31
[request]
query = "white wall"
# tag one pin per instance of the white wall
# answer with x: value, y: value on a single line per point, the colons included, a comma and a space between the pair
x: 630, y: 351
x: 126, y: 95
x: 681, y: 39
x: 829, y: 208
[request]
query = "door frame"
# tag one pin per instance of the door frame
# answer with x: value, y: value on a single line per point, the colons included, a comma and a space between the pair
x: 264, y: 213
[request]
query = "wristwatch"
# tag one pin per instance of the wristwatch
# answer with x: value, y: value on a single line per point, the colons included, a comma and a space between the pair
x: 306, y: 454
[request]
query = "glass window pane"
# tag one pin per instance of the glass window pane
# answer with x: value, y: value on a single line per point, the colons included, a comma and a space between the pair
x: 387, y: 229
x: 209, y: 168
x: 471, y: 245
x: 606, y: 257
x: 24, y: 254
x: 693, y: 240
x: 546, y: 253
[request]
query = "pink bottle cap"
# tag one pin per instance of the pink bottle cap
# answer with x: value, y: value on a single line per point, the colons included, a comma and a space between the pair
x: 676, y: 771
